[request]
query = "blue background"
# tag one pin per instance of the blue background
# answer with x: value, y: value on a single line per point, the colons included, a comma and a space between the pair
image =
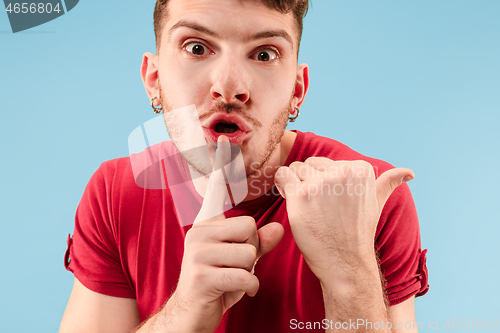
x: 416, y: 83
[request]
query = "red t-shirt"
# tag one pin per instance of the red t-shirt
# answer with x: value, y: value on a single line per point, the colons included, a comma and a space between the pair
x: 128, y: 242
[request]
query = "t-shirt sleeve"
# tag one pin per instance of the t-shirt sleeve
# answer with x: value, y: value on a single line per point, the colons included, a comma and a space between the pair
x: 92, y: 254
x: 402, y: 261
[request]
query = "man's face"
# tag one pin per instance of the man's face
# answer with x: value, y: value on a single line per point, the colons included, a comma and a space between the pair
x: 237, y: 63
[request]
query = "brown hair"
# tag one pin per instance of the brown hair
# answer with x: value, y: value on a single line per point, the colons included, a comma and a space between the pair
x: 297, y: 7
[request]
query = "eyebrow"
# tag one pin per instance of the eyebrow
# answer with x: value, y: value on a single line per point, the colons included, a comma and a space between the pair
x: 260, y: 35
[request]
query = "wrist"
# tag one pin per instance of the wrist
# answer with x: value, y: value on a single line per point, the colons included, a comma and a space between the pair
x: 183, y: 314
x: 355, y: 296
x: 363, y: 281
x: 172, y: 314
x: 349, y: 271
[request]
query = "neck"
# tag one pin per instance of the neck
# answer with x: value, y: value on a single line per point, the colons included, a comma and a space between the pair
x: 262, y: 182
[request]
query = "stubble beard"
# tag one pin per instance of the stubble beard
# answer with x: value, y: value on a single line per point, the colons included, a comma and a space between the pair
x: 275, y: 133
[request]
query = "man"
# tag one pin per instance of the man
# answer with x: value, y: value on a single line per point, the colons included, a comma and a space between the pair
x: 332, y: 249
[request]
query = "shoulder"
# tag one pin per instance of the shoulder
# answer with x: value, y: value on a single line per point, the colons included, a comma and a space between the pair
x: 320, y: 146
x: 110, y: 182
x: 141, y: 170
x: 113, y: 172
x: 114, y: 166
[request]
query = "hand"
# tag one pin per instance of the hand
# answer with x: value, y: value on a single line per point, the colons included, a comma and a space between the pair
x: 333, y: 208
x: 219, y: 256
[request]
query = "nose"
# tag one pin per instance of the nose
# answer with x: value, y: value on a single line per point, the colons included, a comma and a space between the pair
x: 230, y: 81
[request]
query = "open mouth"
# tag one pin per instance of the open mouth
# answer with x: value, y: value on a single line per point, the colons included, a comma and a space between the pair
x: 230, y: 125
x: 226, y: 127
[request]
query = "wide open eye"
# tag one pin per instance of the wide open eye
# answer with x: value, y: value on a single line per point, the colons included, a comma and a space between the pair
x: 266, y: 55
x: 197, y: 49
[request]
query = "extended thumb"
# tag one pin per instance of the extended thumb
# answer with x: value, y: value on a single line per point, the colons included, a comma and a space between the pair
x: 389, y: 180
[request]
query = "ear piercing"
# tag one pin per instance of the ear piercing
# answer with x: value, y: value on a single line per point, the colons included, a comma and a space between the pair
x: 157, y: 109
x: 295, y: 115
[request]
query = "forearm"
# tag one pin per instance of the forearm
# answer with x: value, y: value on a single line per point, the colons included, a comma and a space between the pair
x: 355, y: 301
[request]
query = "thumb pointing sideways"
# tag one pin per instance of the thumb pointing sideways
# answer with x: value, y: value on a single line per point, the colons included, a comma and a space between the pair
x: 288, y: 183
x: 387, y: 182
x: 216, y: 194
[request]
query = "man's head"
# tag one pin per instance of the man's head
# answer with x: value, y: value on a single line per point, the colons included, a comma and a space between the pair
x: 236, y: 61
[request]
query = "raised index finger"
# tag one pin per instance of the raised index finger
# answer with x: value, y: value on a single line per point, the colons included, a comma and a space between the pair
x: 212, y: 208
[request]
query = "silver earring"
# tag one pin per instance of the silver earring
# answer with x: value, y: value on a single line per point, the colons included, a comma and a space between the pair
x: 292, y: 119
x: 156, y: 110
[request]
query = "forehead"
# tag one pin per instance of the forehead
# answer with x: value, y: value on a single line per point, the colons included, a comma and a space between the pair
x: 232, y: 19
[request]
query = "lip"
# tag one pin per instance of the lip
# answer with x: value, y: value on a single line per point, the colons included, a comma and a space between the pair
x: 234, y: 138
x: 237, y: 137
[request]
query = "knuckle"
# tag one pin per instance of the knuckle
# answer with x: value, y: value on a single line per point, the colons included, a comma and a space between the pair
x: 364, y: 165
x: 313, y: 160
x: 192, y: 236
x: 318, y: 160
x: 279, y: 173
x: 249, y: 253
x: 249, y: 219
x: 248, y: 225
x: 296, y: 164
x: 200, y: 231
x: 198, y: 276
x: 197, y: 254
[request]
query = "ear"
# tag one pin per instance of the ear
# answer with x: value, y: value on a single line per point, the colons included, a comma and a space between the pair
x: 301, y: 85
x: 149, y: 74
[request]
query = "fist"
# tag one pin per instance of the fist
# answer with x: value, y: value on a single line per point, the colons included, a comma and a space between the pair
x: 333, y: 209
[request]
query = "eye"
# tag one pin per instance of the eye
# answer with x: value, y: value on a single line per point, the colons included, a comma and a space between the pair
x: 266, y: 55
x: 196, y: 48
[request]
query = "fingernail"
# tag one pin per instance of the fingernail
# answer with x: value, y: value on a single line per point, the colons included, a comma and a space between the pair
x: 406, y: 179
x: 222, y: 138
